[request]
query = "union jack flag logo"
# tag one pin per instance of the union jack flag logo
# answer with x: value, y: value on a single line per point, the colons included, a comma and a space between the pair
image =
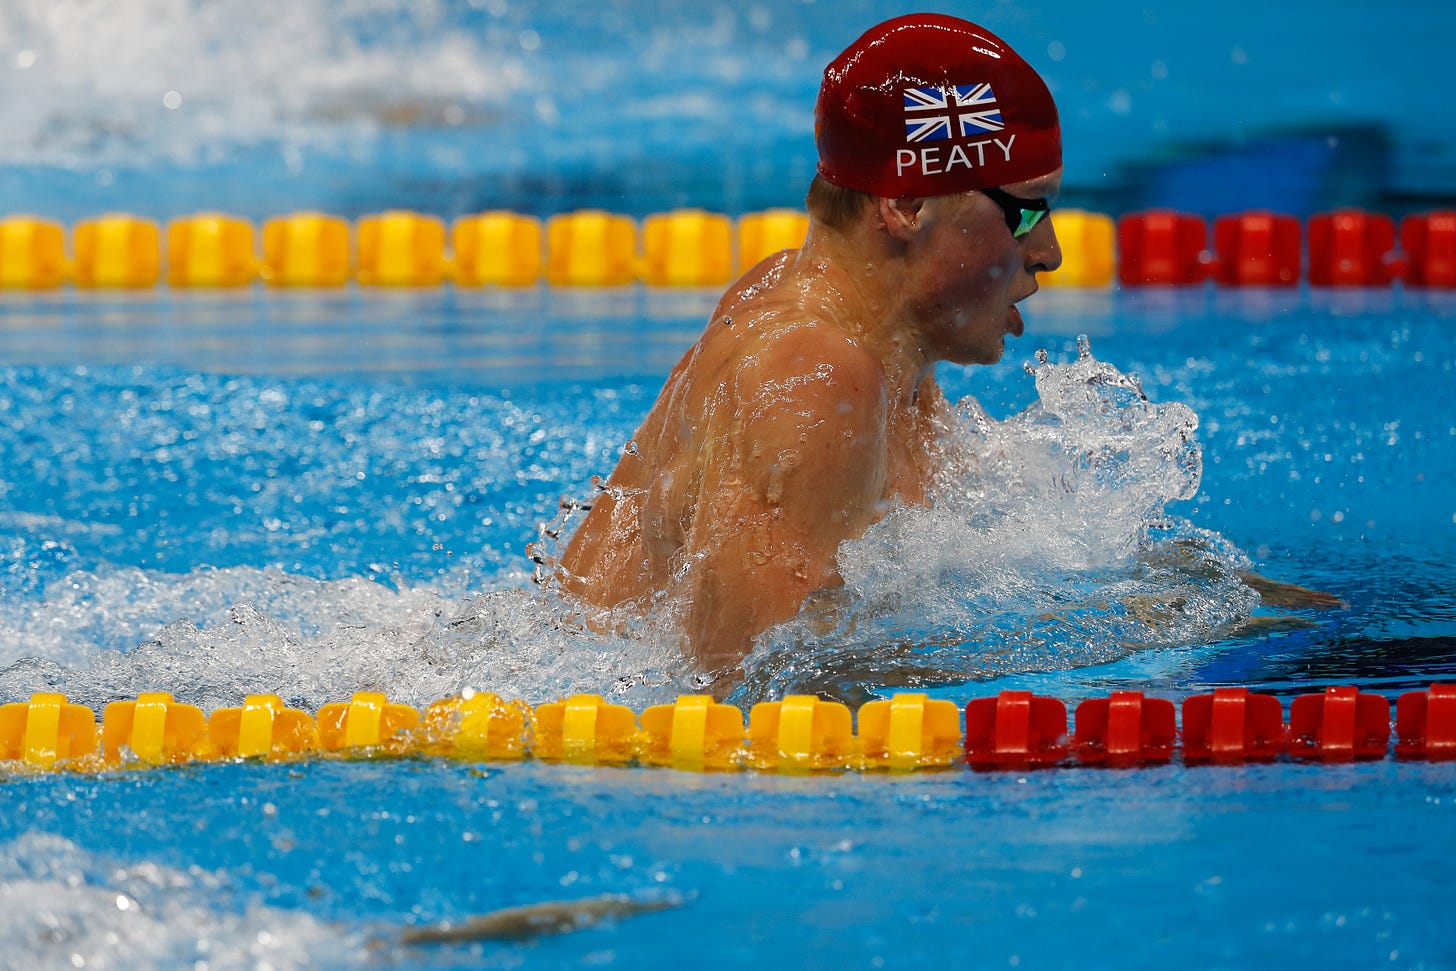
x: 950, y: 111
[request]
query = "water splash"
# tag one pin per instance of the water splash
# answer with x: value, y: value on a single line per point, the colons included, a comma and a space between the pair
x: 92, y: 83
x: 315, y: 641
x: 1048, y: 546
x: 67, y: 907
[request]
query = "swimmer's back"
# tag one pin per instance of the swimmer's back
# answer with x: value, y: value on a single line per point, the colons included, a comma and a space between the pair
x: 630, y: 544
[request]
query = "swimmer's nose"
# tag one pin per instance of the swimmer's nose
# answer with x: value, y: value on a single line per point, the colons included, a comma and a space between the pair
x: 1044, y: 253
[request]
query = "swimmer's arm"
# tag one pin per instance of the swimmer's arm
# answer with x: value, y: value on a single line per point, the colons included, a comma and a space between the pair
x: 1189, y: 558
x: 810, y: 471
x: 1290, y: 596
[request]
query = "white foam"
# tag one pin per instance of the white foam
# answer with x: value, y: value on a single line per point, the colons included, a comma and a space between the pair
x: 62, y: 906
x: 213, y: 636
x: 1048, y: 546
x: 92, y: 83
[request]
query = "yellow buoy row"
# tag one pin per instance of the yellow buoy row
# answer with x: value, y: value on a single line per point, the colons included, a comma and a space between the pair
x: 684, y: 248
x: 799, y: 733
x: 1089, y: 249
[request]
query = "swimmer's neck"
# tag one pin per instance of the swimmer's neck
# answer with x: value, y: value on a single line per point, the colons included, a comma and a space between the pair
x: 861, y: 292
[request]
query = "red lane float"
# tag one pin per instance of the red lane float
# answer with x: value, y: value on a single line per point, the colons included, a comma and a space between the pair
x: 1425, y: 723
x: 1015, y: 730
x: 1125, y: 729
x: 1350, y: 248
x: 1257, y: 249
x: 1429, y: 241
x: 1342, y: 724
x: 1161, y: 247
x: 1232, y: 725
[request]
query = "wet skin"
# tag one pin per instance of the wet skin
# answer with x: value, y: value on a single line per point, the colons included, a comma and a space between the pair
x: 808, y: 405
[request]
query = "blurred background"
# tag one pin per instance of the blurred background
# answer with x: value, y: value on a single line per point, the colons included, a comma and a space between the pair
x: 166, y: 107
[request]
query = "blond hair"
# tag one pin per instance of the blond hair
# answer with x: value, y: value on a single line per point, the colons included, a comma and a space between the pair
x: 833, y: 205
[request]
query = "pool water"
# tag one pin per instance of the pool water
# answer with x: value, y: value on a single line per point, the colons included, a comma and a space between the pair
x: 319, y: 519
x: 316, y: 493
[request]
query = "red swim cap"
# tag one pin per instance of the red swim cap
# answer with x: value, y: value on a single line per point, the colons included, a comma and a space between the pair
x: 927, y: 105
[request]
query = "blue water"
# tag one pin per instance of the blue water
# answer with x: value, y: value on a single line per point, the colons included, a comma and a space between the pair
x: 355, y: 503
x: 317, y: 493
x: 1222, y: 868
x: 643, y: 105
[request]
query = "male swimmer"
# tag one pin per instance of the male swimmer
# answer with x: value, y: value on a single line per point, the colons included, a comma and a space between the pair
x: 809, y: 404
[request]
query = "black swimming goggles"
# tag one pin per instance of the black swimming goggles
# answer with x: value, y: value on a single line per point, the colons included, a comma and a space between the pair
x: 1022, y: 215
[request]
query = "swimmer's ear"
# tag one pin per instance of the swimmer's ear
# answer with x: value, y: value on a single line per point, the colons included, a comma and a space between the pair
x: 901, y: 217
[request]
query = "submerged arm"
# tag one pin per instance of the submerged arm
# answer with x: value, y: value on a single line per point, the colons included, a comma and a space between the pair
x: 1289, y: 595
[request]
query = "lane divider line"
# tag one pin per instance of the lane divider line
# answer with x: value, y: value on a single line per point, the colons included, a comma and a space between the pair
x: 1014, y: 731
x: 690, y: 248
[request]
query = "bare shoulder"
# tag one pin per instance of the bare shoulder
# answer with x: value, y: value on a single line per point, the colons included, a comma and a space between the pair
x: 796, y: 349
x: 809, y: 391
x: 755, y: 280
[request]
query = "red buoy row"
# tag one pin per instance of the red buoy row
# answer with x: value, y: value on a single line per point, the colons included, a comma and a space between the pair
x: 1347, y: 248
x: 1020, y: 730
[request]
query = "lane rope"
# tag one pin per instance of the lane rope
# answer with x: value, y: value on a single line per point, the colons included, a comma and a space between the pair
x: 689, y: 248
x: 1013, y: 731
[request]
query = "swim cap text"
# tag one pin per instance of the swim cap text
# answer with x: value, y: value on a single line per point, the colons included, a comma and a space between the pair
x: 936, y: 160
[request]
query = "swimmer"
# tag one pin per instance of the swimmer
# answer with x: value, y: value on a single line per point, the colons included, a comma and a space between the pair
x: 809, y: 405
